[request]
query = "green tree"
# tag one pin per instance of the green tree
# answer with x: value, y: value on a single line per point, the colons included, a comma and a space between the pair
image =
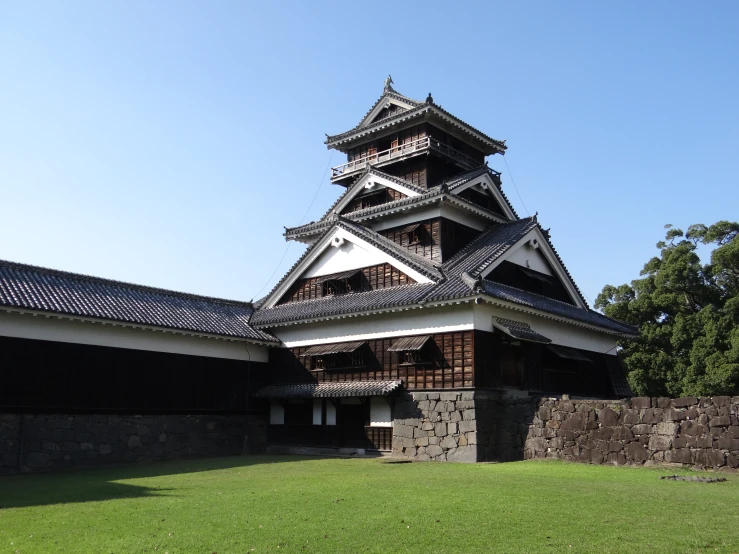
x: 687, y: 314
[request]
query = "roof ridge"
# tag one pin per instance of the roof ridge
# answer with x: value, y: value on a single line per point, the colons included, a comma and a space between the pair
x: 125, y: 284
x: 392, y: 93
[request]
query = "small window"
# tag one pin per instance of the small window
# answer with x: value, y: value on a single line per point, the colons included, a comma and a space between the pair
x: 413, y: 357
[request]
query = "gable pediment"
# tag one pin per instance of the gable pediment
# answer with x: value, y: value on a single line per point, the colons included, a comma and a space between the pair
x: 386, y: 106
x: 340, y: 250
x: 485, y: 186
x: 534, y: 255
x: 372, y: 182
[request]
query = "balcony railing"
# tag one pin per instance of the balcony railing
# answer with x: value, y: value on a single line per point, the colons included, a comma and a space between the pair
x: 403, y: 151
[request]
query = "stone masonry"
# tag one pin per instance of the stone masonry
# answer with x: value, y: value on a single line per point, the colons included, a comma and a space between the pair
x: 33, y: 442
x: 697, y: 432
x: 443, y: 426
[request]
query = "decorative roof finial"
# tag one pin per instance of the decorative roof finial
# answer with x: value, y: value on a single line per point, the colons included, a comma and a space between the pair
x: 535, y: 216
x: 388, y: 84
x: 429, y: 99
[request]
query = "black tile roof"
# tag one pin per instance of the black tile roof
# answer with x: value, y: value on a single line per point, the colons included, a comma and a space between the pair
x: 419, y: 110
x: 39, y: 289
x: 460, y: 277
x: 341, y: 304
x: 430, y: 196
x: 330, y: 390
x: 387, y: 95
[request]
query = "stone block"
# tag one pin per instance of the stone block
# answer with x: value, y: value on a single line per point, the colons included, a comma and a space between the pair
x: 685, y: 401
x: 636, y: 452
x: 440, y: 429
x: 462, y: 440
x: 663, y: 402
x: 465, y: 426
x: 86, y: 446
x: 725, y: 443
x: 455, y: 416
x: 434, y: 450
x: 679, y: 443
x: 466, y: 454
x: 544, y: 413
x: 453, y: 396
x: 678, y: 456
x: 404, y: 431
x: 608, y: 418
x: 692, y: 428
x: 37, y: 459
x: 721, y: 401
x: 667, y: 428
x: 602, y: 433
x: 674, y: 415
x: 660, y: 442
x: 705, y: 441
x: 642, y: 429
x: 471, y: 437
x: 622, y: 434
x: 105, y: 449
x: 468, y: 415
x: 448, y: 442
x: 652, y: 416
x: 732, y: 461
x: 615, y: 446
x: 451, y: 428
x: 630, y: 417
x: 641, y: 402
x: 575, y: 422
x: 434, y: 440
x: 720, y: 421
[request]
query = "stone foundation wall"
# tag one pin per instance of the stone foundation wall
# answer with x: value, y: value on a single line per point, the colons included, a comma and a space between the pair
x: 699, y: 432
x: 446, y: 426
x: 33, y: 442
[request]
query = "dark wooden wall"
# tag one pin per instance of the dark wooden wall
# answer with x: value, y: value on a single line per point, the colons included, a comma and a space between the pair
x: 374, y: 277
x: 45, y: 375
x: 451, y: 364
x: 442, y: 238
x: 428, y: 247
x: 373, y: 199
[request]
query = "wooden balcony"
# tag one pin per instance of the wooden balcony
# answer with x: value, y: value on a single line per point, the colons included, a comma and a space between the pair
x: 401, y: 152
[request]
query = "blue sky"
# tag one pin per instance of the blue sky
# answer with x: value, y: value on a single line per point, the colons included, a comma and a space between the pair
x: 168, y: 143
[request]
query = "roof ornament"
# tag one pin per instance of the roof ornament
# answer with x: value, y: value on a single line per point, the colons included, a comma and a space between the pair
x: 388, y: 84
x: 444, y: 188
x: 429, y: 99
x: 547, y: 233
x: 534, y: 217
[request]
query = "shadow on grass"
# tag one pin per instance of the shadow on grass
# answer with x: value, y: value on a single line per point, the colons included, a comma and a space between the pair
x: 99, y: 484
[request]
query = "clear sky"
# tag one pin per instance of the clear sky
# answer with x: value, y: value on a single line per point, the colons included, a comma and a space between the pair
x: 168, y: 143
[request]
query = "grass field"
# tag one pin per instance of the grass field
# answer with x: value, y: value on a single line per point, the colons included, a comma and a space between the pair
x: 290, y: 504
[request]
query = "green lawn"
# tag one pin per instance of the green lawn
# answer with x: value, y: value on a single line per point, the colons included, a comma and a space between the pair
x: 290, y: 504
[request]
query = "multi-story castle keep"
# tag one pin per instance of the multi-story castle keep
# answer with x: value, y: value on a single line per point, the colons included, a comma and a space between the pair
x: 421, y: 300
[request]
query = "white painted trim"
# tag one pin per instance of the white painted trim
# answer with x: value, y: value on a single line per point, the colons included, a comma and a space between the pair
x: 550, y: 256
x: 325, y: 243
x: 443, y: 208
x: 492, y: 189
x: 44, y: 326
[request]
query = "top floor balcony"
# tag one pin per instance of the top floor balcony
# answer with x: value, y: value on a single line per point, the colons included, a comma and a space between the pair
x: 402, y: 152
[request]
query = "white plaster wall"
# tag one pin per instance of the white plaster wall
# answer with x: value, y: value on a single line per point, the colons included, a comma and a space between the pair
x: 354, y: 253
x: 330, y: 413
x: 317, y: 411
x: 276, y: 413
x: 40, y: 327
x: 424, y: 321
x: 560, y: 332
x: 533, y: 256
x: 380, y: 415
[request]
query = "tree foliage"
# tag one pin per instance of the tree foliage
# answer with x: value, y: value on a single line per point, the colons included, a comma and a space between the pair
x: 687, y: 313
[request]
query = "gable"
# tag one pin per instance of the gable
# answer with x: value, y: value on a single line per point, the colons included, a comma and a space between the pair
x: 481, y: 188
x: 340, y: 250
x: 386, y: 106
x: 539, y: 262
x: 369, y: 183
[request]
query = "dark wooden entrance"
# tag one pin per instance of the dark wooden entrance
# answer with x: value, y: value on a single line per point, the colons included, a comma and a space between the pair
x: 352, y: 419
